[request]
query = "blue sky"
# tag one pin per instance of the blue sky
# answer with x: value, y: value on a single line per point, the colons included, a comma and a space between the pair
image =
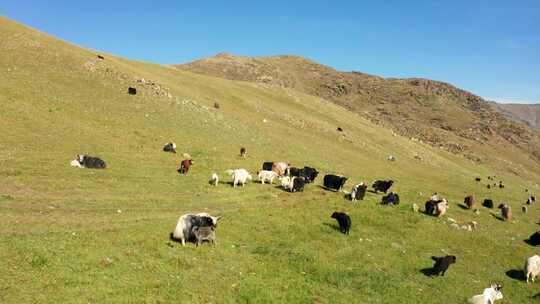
x: 491, y: 48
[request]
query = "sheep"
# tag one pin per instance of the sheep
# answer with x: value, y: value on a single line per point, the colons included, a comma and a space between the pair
x: 532, y: 268
x: 488, y: 296
x: 239, y: 176
x: 266, y: 176
x: 415, y: 208
x: 524, y: 209
x: 506, y: 211
x: 214, y: 179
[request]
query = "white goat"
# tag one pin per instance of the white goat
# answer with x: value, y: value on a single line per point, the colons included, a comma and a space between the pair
x: 214, y: 179
x: 267, y: 176
x: 239, y: 176
x: 489, y: 296
x: 532, y: 268
x: 286, y: 182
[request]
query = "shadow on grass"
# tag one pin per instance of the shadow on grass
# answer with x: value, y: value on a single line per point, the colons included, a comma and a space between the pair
x: 336, y: 227
x: 327, y: 189
x: 462, y: 206
x: 282, y: 189
x: 172, y: 240
x: 516, y: 274
x: 529, y: 242
x: 500, y: 218
x: 428, y: 272
x: 372, y: 191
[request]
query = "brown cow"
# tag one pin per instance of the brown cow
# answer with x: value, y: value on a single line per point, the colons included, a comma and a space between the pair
x: 184, y: 166
x: 280, y: 168
x: 469, y: 201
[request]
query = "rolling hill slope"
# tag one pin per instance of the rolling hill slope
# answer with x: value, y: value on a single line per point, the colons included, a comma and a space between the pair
x: 71, y: 235
x: 434, y: 112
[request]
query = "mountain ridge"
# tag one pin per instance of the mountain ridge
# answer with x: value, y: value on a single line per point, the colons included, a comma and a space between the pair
x: 431, y: 111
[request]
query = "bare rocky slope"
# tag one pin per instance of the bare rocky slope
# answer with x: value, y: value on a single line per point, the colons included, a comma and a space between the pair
x: 430, y: 111
x: 524, y: 113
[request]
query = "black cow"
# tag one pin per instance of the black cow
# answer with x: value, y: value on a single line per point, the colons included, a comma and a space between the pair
x: 391, y: 198
x: 534, y: 239
x: 243, y: 152
x: 132, y: 91
x: 442, y: 264
x: 170, y: 147
x: 382, y: 185
x: 334, y: 182
x: 358, y: 192
x: 343, y: 220
x: 91, y: 162
x: 298, y: 184
x: 488, y: 203
x: 267, y: 166
x: 478, y: 179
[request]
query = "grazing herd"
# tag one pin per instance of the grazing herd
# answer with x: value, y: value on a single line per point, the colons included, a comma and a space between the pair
x: 201, y: 227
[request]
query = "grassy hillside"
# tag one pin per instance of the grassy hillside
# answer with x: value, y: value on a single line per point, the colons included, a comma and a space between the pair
x: 434, y: 112
x: 71, y: 235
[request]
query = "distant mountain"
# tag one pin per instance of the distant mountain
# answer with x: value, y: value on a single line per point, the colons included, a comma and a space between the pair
x: 525, y: 113
x: 431, y: 111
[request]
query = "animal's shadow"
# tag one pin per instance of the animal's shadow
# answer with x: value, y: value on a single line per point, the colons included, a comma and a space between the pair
x: 428, y: 272
x: 372, y: 191
x: 462, y: 206
x: 528, y: 241
x: 327, y: 189
x: 336, y: 227
x: 282, y: 189
x: 500, y: 218
x: 173, y: 239
x: 211, y: 182
x: 516, y: 274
